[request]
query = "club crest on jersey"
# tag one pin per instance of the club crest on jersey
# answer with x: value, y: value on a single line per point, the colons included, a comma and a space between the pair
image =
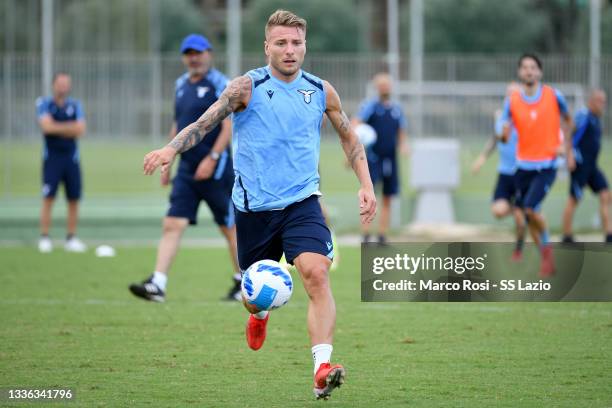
x: 202, y: 91
x: 533, y: 114
x: 306, y: 94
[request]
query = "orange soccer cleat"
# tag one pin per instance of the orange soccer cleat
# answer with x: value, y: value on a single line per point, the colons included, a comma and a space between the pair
x: 327, y: 378
x: 547, y: 264
x: 256, y: 331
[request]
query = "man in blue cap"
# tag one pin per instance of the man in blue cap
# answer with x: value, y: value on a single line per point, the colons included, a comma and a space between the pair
x: 204, y: 173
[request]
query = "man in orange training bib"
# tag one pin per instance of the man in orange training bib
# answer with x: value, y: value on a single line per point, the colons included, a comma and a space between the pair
x: 538, y: 112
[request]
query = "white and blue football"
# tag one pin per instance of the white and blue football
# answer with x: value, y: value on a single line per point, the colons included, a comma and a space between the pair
x: 267, y: 285
x: 366, y: 134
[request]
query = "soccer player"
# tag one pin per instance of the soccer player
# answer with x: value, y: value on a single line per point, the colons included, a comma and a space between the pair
x: 62, y: 122
x: 204, y: 173
x: 539, y: 113
x: 387, y: 119
x: 504, y: 193
x: 586, y: 143
x: 277, y: 112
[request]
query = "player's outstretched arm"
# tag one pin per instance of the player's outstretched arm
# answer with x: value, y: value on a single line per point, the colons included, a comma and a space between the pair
x: 355, y: 153
x: 234, y: 98
x: 484, y: 155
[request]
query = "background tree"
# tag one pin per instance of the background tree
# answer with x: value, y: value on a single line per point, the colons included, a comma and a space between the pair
x: 333, y: 26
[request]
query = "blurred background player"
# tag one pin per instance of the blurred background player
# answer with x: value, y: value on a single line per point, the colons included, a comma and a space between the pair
x: 538, y: 112
x: 204, y: 173
x: 279, y: 108
x: 586, y: 142
x: 62, y: 122
x: 387, y: 119
x: 504, y: 194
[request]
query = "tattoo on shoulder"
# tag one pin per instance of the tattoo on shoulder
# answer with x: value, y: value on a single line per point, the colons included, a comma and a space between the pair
x: 236, y: 89
x: 228, y: 101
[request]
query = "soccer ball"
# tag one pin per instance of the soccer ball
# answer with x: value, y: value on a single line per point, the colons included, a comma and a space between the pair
x: 366, y: 134
x: 266, y: 285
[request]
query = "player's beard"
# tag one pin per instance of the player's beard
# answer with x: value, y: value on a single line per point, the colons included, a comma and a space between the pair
x: 529, y: 82
x: 288, y: 71
x: 197, y: 71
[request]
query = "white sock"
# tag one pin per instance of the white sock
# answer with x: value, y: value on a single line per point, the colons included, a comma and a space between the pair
x: 160, y: 280
x: 321, y: 353
x: 260, y: 315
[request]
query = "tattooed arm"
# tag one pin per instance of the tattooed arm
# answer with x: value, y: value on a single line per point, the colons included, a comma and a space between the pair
x: 354, y: 151
x: 234, y: 99
x: 484, y: 155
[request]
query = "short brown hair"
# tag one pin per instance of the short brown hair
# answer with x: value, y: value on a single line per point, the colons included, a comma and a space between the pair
x: 285, y: 18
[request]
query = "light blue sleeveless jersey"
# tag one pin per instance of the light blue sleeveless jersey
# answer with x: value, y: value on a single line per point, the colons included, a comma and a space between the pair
x: 276, y: 142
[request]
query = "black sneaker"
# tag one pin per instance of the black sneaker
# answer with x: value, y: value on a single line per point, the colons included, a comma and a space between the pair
x: 148, y: 290
x: 568, y: 239
x: 235, y: 292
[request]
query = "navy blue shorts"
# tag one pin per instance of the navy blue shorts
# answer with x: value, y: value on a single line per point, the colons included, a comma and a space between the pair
x: 385, y: 169
x: 61, y: 168
x: 589, y: 175
x: 294, y: 230
x: 532, y: 186
x: 187, y: 194
x: 505, y: 189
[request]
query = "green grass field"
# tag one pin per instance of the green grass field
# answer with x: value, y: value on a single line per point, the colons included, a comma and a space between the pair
x: 119, y: 202
x: 69, y: 321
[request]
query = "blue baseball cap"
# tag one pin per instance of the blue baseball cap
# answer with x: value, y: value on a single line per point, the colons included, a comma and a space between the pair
x: 195, y: 42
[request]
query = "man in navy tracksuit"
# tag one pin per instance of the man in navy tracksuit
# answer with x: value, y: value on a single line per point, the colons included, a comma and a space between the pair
x: 584, y: 170
x: 205, y: 173
x: 62, y: 122
x: 389, y: 122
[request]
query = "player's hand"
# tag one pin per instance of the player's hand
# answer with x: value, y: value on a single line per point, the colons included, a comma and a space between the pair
x: 367, y: 205
x: 478, y: 163
x: 205, y: 169
x: 405, y: 149
x: 162, y: 157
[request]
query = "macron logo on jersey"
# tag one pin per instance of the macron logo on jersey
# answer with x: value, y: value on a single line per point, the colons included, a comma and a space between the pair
x: 270, y: 93
x: 306, y: 94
